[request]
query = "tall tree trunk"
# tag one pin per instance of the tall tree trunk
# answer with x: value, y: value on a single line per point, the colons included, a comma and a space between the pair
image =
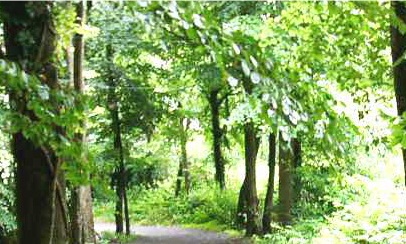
x: 119, y: 176
x: 40, y: 185
x: 217, y: 134
x: 285, y: 182
x: 82, y: 224
x: 118, y: 215
x: 251, y: 148
x: 242, y: 206
x: 267, y: 216
x: 179, y: 178
x: 125, y: 201
x: 119, y: 172
x: 248, y: 192
x: 183, y: 163
x: 398, y: 43
x: 126, y: 213
x: 297, y: 163
x: 120, y: 188
x: 186, y: 168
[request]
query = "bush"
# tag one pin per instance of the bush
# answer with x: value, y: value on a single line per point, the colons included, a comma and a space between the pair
x: 205, y: 205
x: 379, y: 219
x: 302, y: 232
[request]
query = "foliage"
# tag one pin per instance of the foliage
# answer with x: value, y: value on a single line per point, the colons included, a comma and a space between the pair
x: 7, y: 218
x: 40, y: 128
x: 205, y: 206
x: 378, y: 218
x: 361, y: 206
x: 316, y: 71
x: 109, y: 237
x: 300, y: 233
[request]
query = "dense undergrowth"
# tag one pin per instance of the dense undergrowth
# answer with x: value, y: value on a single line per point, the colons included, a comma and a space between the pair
x: 206, y: 207
x: 361, y: 205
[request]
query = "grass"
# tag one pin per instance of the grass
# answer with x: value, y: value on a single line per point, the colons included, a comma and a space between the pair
x: 108, y: 237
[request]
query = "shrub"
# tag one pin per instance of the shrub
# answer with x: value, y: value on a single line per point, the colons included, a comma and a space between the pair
x: 379, y: 219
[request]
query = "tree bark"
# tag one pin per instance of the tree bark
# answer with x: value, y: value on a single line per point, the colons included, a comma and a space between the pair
x: 82, y: 223
x: 297, y: 163
x: 183, y: 163
x: 267, y: 216
x: 398, y: 43
x: 241, y: 206
x: 179, y: 178
x: 249, y: 187
x: 119, y: 176
x: 126, y: 212
x: 285, y: 182
x: 119, y: 173
x: 251, y: 148
x: 186, y: 169
x: 40, y: 184
x: 217, y: 134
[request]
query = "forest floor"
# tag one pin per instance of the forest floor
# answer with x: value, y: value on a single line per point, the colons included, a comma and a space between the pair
x: 174, y: 235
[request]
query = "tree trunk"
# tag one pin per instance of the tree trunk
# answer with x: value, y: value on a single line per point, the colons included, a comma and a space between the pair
x: 183, y: 163
x: 217, y: 134
x: 82, y: 224
x: 118, y: 215
x: 119, y: 172
x: 249, y: 187
x: 242, y: 206
x: 297, y: 163
x: 285, y: 182
x: 179, y: 178
x: 186, y: 168
x: 120, y: 181
x: 40, y: 185
x: 251, y: 148
x: 119, y: 176
x: 398, y: 43
x: 76, y: 217
x: 267, y: 217
x: 126, y: 212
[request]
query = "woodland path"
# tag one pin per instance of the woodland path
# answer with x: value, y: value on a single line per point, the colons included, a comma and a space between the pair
x: 173, y: 235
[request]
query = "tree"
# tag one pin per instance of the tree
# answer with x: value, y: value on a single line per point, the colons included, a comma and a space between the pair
x: 214, y: 89
x: 119, y: 176
x: 268, y: 205
x: 215, y: 102
x: 82, y: 223
x: 251, y: 145
x: 285, y: 183
x: 41, y: 204
x: 184, y: 167
x: 297, y: 163
x: 115, y: 54
x: 398, y: 44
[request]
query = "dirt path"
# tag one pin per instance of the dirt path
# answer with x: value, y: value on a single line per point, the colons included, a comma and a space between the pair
x: 173, y: 235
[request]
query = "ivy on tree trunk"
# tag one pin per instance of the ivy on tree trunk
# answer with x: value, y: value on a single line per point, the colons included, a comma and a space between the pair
x: 40, y: 183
